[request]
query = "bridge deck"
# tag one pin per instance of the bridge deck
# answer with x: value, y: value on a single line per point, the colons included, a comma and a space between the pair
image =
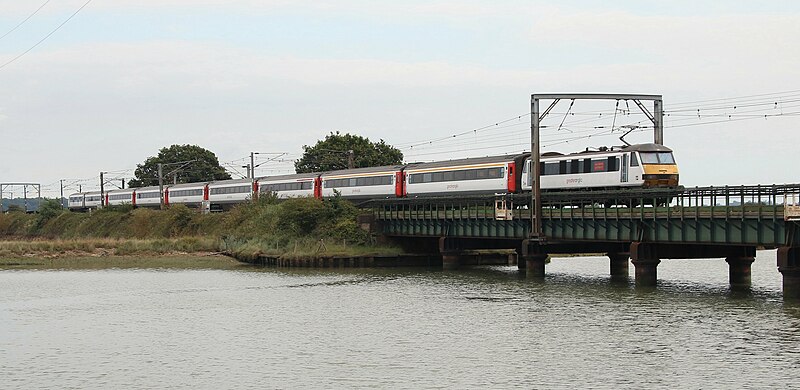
x: 715, y: 215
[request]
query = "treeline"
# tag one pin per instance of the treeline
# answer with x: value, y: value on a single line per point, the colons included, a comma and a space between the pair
x: 294, y: 227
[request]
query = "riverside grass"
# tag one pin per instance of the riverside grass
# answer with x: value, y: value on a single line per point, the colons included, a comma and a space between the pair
x: 106, y: 246
x: 299, y: 227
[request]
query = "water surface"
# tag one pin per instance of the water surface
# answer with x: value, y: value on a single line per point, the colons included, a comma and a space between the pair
x: 243, y: 327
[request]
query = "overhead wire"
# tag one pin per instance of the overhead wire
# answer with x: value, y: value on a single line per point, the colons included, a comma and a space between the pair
x: 46, y: 36
x: 763, y: 106
x: 24, y: 20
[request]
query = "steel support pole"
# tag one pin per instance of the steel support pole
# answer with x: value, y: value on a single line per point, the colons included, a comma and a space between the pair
x: 251, y: 170
x: 102, y: 196
x: 658, y: 122
x: 351, y: 159
x: 536, y: 217
x: 161, y: 184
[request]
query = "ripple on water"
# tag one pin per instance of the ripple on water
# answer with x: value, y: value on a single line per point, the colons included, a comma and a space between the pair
x: 487, y: 327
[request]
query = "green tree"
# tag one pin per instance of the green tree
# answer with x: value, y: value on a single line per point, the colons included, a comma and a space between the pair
x: 205, y: 166
x: 333, y: 153
x: 15, y: 208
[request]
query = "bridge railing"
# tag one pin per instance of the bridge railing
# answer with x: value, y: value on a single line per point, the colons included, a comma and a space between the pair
x: 723, y: 202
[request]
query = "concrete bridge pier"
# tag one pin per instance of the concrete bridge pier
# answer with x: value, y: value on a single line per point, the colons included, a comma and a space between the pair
x: 451, y: 260
x: 618, y: 265
x: 646, y: 271
x: 789, y: 267
x: 451, y: 253
x: 534, y: 265
x: 739, y: 270
x: 534, y: 256
x: 645, y: 261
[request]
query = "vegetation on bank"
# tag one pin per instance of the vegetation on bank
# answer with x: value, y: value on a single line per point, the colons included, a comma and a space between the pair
x: 299, y: 227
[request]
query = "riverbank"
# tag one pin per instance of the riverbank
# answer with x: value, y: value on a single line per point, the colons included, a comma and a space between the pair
x: 295, y: 228
x: 105, y: 247
x: 95, y: 261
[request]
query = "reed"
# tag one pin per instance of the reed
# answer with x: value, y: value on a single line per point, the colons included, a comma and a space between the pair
x: 300, y: 227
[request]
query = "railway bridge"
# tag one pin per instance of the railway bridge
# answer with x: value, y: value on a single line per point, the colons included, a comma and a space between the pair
x: 645, y: 226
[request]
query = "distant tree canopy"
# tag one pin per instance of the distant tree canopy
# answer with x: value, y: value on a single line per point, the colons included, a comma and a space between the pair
x: 333, y: 153
x: 206, y: 167
x: 15, y: 208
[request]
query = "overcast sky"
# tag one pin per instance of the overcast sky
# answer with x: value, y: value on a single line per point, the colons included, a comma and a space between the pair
x: 124, y: 78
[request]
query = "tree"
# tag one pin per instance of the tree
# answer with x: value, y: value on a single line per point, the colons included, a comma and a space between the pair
x: 333, y: 153
x: 15, y: 208
x: 205, y: 166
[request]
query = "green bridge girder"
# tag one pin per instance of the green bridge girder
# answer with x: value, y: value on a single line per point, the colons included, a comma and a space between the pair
x: 765, y: 232
x: 692, y: 217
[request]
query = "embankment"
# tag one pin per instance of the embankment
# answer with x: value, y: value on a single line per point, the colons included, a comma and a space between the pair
x: 295, y: 228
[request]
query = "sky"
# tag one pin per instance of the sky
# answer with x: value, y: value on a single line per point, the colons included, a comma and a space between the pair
x: 437, y: 79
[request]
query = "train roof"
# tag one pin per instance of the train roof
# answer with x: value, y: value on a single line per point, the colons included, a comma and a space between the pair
x: 384, y: 168
x: 188, y: 185
x: 647, y: 148
x: 227, y: 182
x: 121, y: 190
x: 295, y: 176
x: 614, y: 149
x: 465, y: 161
x: 148, y: 188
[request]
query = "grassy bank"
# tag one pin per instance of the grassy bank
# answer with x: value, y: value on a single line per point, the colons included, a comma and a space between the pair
x: 96, y: 247
x: 79, y: 262
x: 296, y: 227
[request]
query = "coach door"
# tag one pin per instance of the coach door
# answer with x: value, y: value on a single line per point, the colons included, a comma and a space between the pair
x: 623, y: 173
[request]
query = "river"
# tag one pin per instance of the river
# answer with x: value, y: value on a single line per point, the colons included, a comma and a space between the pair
x: 231, y: 326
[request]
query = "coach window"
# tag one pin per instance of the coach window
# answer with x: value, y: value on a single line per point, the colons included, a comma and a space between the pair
x: 574, y: 166
x: 613, y: 164
x: 599, y: 166
x: 550, y: 169
x: 587, y: 165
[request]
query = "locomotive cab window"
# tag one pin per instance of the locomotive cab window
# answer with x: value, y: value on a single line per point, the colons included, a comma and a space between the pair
x: 657, y: 158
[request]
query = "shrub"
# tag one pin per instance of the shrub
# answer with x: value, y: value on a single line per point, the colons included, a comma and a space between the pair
x: 301, y: 216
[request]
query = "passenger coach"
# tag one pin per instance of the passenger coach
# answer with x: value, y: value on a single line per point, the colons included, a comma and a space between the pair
x: 633, y: 166
x: 364, y: 183
x: 466, y: 176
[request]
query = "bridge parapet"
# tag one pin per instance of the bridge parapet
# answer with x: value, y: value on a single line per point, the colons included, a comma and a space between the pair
x: 743, y: 215
x: 650, y: 225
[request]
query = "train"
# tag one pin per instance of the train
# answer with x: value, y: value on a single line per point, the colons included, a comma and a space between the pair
x: 633, y: 166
